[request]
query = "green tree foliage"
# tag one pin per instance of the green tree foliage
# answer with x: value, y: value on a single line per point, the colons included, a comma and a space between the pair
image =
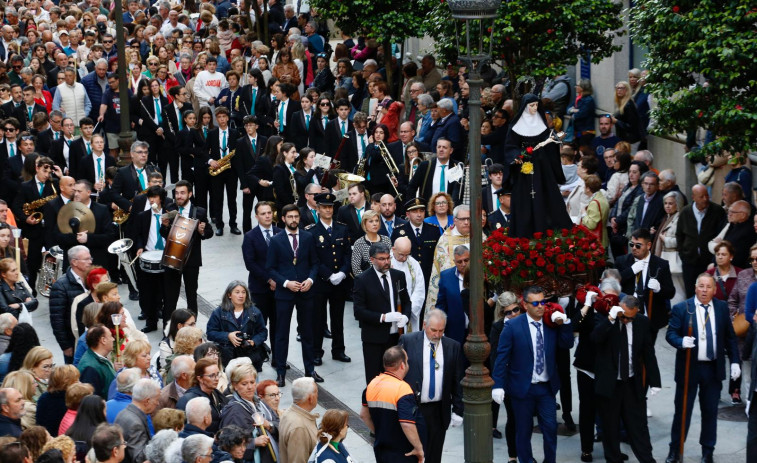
x: 538, y: 38
x: 693, y: 42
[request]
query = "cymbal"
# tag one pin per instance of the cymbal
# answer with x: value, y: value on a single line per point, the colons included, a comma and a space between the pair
x: 73, y: 213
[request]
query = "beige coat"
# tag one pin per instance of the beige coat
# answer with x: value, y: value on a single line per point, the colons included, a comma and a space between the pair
x: 297, y: 435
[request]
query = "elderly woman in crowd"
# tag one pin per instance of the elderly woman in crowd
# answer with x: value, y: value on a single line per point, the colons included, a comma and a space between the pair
x: 665, y: 244
x: 137, y: 355
x: 51, y: 405
x: 74, y: 395
x: 24, y: 382
x: 210, y: 350
x: 724, y: 271
x: 205, y: 384
x: 269, y: 392
x: 371, y: 224
x: 187, y: 339
x: 155, y: 451
x: 39, y: 362
x: 65, y: 445
x: 196, y: 448
x: 231, y: 444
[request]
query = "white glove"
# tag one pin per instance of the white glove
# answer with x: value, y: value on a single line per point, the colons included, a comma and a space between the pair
x: 653, y: 391
x: 391, y: 317
x: 455, y: 421
x: 735, y: 371
x: 654, y: 285
x: 337, y: 278
x: 687, y: 342
x: 559, y: 316
x: 637, y: 266
x: 591, y: 296
x: 498, y: 395
x: 615, y: 311
x: 402, y: 322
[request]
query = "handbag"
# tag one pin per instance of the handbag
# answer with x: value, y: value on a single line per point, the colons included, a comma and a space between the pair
x: 740, y: 325
x: 707, y: 176
x: 24, y: 316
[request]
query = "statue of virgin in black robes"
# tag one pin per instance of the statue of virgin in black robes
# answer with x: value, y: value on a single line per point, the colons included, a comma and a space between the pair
x: 535, y: 173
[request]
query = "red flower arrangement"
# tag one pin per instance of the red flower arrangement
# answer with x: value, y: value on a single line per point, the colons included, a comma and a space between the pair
x: 549, y: 309
x: 602, y: 304
x: 119, y: 343
x: 514, y: 263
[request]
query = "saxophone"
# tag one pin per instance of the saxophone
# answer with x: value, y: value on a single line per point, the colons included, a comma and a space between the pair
x: 224, y: 164
x: 294, y: 188
x: 120, y: 216
x: 360, y: 170
x: 29, y: 208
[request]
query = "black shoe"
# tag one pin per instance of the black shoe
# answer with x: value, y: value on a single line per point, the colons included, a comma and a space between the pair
x: 569, y: 423
x: 134, y: 296
x: 597, y: 437
x: 150, y: 328
x: 281, y: 380
x: 496, y: 433
x: 341, y: 357
x: 624, y: 456
x: 327, y: 333
x: 587, y: 457
x: 316, y: 377
x: 706, y: 458
x: 318, y: 361
x: 298, y: 338
x: 288, y: 367
x: 235, y: 231
x: 673, y: 457
x: 141, y: 316
x: 219, y: 232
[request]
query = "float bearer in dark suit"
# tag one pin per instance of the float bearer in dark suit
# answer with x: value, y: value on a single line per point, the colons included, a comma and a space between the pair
x: 526, y: 368
x: 710, y: 339
x: 423, y: 236
x: 382, y: 306
x: 643, y: 274
x: 434, y: 372
x: 292, y: 262
x: 625, y: 350
x: 191, y: 271
x: 332, y: 245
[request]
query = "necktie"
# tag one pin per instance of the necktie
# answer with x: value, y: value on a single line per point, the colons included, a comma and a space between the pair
x: 89, y: 148
x: 205, y: 132
x: 181, y: 211
x: 99, y: 169
x: 267, y: 236
x: 139, y: 177
x: 385, y: 284
x: 708, y: 329
x: 315, y: 215
x: 389, y: 227
x: 223, y: 144
x: 362, y: 143
x: 498, y: 206
x: 418, y: 232
x: 254, y: 145
x: 29, y: 109
x: 158, y: 238
x: 41, y: 188
x: 432, y: 371
x: 281, y: 116
x: 157, y: 111
x: 344, y: 129
x: 178, y: 118
x: 291, y: 169
x: 57, y: 135
x: 328, y: 230
x: 294, y: 242
x: 360, y: 214
x: 539, y: 367
x: 325, y: 121
x: 254, y: 97
x: 307, y: 121
x: 442, y: 181
x: 13, y: 149
x: 624, y: 373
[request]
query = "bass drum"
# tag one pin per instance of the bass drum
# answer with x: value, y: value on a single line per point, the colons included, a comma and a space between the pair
x: 179, y: 242
x: 149, y: 262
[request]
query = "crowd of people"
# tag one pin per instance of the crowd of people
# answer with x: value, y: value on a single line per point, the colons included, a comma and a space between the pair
x: 357, y: 196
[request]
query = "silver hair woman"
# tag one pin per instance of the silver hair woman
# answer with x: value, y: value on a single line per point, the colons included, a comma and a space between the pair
x: 155, y: 451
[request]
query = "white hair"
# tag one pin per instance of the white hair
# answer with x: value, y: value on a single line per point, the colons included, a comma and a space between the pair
x: 172, y: 453
x: 236, y: 363
x: 6, y: 321
x: 197, y: 409
x: 155, y: 451
x: 182, y: 364
x: 127, y: 379
x: 73, y: 252
x: 445, y: 104
x: 194, y: 446
x: 370, y: 62
x: 302, y: 388
x: 145, y: 389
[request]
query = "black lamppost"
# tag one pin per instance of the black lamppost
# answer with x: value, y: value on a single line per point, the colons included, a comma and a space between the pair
x: 476, y: 18
x: 125, y: 137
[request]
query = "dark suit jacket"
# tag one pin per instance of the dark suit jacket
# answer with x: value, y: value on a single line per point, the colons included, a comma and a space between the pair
x: 421, y: 186
x: 317, y: 134
x: 334, y: 254
x: 28, y: 192
x: 147, y: 112
x: 98, y: 239
x: 334, y: 135
x: 87, y: 169
x: 423, y: 248
x: 452, y: 375
x: 653, y: 217
x: 306, y: 217
x: 515, y: 356
x: 606, y: 339
x: 262, y: 170
x: 262, y: 107
x: 349, y: 154
x: 292, y: 107
x: 212, y: 149
x: 22, y: 115
x: 195, y: 253
x: 496, y: 220
x: 255, y: 254
x: 126, y: 184
x: 45, y: 141
x: 76, y: 151
x: 56, y: 154
x: 245, y: 159
x: 450, y: 301
x: 725, y: 338
x: 12, y: 174
x: 281, y: 266
x: 282, y: 186
x: 348, y: 216
x: 299, y: 131
x: 496, y: 140
x: 171, y: 122
x: 660, y: 301
x: 398, y: 222
x: 451, y: 130
x: 370, y: 302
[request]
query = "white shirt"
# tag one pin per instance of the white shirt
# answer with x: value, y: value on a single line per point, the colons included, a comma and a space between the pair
x: 221, y: 133
x: 702, y: 328
x: 178, y: 114
x: 460, y: 288
x: 79, y: 280
x: 438, y: 176
x: 95, y: 157
x: 158, y: 110
x: 184, y: 210
x: 152, y: 237
x: 642, y: 274
x: 66, y: 148
x: 392, y: 308
x: 629, y: 332
x: 699, y: 216
x: 283, y: 119
x: 416, y: 287
x: 364, y: 138
x: 438, y: 373
x: 544, y: 376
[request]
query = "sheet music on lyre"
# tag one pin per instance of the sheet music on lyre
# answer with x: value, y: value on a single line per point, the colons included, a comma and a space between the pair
x: 322, y: 161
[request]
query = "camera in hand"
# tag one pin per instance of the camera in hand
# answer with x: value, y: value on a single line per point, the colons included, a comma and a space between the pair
x: 244, y: 336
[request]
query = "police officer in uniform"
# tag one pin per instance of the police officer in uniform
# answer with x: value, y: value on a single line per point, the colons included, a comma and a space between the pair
x: 423, y: 236
x: 501, y: 216
x: 332, y: 246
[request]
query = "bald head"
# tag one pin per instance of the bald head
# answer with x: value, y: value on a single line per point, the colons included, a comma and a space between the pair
x: 401, y: 249
x: 388, y: 207
x: 66, y: 185
x: 700, y: 196
x: 739, y: 212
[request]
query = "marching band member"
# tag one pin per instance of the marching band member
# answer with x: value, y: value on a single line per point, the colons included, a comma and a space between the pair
x: 284, y: 184
x: 221, y: 142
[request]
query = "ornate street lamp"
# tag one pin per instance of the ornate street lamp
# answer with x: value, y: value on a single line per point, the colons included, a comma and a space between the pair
x: 474, y: 20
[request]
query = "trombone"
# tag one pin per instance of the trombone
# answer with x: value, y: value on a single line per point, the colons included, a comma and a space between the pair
x: 391, y: 165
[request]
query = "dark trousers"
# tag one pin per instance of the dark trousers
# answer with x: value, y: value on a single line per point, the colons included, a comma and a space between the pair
x: 202, y: 187
x: 387, y: 455
x: 690, y: 274
x: 150, y: 295
x: 266, y: 303
x: 248, y: 200
x: 172, y: 280
x: 587, y: 410
x: 335, y: 301
x: 512, y: 449
x: 186, y: 168
x: 228, y: 182
x: 373, y: 356
x: 435, y: 432
x: 540, y: 401
x: 566, y: 390
x: 304, y: 303
x: 703, y: 378
x: 168, y: 161
x: 34, y: 261
x: 625, y: 404
x: 751, y: 433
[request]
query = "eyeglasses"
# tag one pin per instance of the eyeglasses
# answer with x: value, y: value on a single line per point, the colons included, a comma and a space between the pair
x: 440, y: 203
x: 538, y: 303
x: 27, y: 138
x: 10, y: 129
x: 631, y: 244
x: 119, y: 444
x: 274, y: 395
x: 514, y: 310
x: 212, y: 375
x: 325, y: 104
x: 753, y: 259
x: 463, y: 219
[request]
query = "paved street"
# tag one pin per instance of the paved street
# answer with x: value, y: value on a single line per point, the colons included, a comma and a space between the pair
x: 344, y: 382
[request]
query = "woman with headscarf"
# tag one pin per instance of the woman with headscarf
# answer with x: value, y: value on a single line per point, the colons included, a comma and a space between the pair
x: 536, y: 173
